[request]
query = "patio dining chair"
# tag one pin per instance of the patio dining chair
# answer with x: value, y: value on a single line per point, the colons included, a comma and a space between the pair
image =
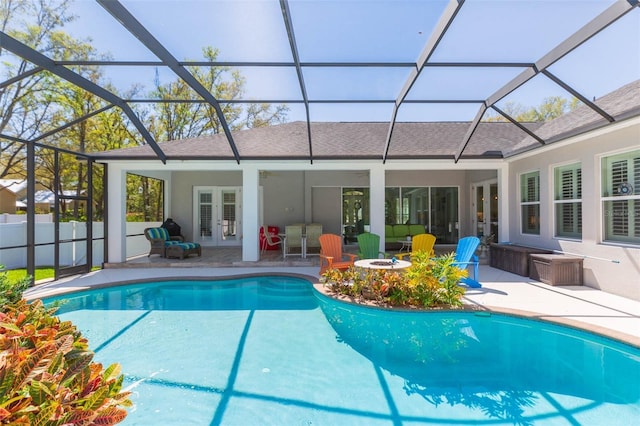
x: 270, y: 240
x: 312, y: 239
x: 293, y: 243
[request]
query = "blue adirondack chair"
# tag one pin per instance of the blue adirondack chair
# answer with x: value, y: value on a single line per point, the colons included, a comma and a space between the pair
x: 465, y: 256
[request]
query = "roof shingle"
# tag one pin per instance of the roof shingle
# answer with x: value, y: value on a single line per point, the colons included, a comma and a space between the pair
x: 366, y: 140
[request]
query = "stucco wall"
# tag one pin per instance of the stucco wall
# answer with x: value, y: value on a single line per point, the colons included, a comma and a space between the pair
x: 619, y: 278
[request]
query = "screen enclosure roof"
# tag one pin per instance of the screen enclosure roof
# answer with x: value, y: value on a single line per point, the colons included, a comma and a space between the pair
x: 377, y: 79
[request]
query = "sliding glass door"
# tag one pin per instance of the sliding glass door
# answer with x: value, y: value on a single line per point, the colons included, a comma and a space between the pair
x: 434, y: 207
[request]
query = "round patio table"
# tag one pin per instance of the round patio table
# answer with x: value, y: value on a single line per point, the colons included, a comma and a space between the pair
x: 381, y: 264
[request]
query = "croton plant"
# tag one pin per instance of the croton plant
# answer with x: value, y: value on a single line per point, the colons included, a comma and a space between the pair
x: 47, y: 372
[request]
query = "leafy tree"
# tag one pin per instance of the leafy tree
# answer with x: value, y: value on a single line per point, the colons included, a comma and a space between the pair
x: 41, y: 103
x: 70, y: 103
x: 175, y: 121
x: 552, y: 107
x: 23, y: 110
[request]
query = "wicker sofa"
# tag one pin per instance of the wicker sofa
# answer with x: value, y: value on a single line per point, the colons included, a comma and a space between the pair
x: 394, y: 233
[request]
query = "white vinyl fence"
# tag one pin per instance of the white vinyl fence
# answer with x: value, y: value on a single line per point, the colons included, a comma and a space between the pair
x: 17, y: 218
x: 72, y: 253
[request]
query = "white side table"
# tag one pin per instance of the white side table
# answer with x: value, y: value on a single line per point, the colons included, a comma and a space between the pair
x: 406, y: 244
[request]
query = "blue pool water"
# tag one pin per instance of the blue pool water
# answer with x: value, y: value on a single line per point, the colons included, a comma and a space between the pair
x: 272, y: 351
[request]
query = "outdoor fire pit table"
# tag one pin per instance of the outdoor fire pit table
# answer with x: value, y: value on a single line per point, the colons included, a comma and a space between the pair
x: 382, y: 264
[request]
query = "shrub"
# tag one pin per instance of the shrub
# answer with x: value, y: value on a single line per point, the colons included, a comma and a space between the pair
x: 11, y: 292
x: 434, y: 281
x: 47, y: 373
x: 427, y: 283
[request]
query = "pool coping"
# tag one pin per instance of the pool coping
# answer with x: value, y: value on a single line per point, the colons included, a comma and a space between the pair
x: 468, y: 307
x: 59, y: 289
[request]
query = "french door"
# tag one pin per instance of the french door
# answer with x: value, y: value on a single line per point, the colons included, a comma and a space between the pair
x: 485, y: 205
x: 217, y: 215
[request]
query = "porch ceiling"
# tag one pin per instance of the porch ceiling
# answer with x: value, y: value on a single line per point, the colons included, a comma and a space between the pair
x: 374, y: 79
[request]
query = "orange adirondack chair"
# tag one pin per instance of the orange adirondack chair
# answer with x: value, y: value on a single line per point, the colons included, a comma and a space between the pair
x: 331, y: 255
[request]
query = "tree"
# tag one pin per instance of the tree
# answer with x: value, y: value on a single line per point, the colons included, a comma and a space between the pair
x: 23, y: 110
x: 175, y: 121
x: 41, y: 102
x: 552, y: 107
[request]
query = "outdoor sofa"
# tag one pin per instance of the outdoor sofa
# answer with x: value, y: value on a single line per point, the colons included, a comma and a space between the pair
x: 393, y: 234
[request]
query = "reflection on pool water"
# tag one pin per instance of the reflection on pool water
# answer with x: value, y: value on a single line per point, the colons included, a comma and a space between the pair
x: 271, y: 350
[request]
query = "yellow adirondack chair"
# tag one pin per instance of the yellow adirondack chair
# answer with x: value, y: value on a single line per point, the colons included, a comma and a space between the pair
x: 420, y: 242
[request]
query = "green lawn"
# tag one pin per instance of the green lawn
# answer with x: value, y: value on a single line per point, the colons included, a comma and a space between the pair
x: 41, y: 274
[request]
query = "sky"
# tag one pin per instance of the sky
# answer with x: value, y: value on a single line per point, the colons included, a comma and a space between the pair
x: 375, y: 31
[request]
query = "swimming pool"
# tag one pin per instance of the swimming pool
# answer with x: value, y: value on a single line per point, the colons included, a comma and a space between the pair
x: 271, y: 350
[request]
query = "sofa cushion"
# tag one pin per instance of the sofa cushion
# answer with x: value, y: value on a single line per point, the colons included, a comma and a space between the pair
x: 159, y: 233
x: 189, y: 246
x: 182, y: 250
x: 401, y: 231
x: 396, y: 233
x: 416, y: 229
x: 388, y: 231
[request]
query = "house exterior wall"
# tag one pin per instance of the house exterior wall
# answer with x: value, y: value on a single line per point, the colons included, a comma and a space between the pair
x: 7, y: 201
x: 287, y: 188
x: 293, y: 195
x: 283, y: 194
x: 327, y: 208
x: 619, y: 278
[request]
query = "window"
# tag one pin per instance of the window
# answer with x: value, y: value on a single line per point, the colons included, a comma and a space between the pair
x: 530, y: 202
x: 568, y: 200
x: 434, y: 207
x: 145, y: 199
x: 621, y: 197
